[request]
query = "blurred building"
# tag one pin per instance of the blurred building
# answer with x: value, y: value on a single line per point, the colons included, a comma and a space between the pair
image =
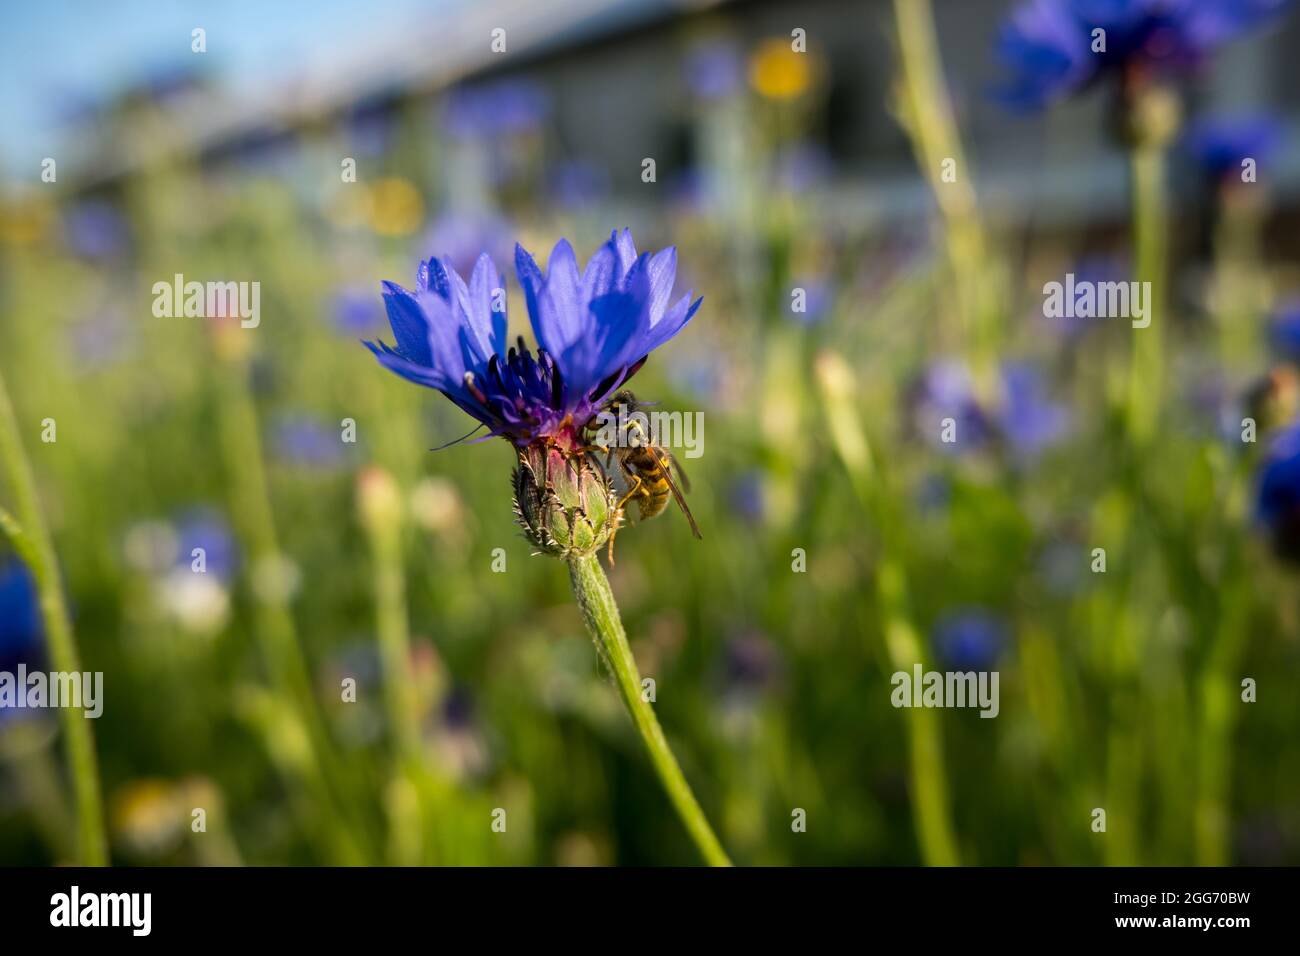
x: 617, y: 81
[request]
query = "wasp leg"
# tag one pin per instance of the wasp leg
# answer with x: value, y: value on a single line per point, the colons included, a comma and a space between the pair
x: 636, y: 486
x: 618, y: 514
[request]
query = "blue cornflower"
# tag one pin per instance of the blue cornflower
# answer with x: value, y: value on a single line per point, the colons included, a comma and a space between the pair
x: 95, y: 229
x: 1028, y: 418
x: 1284, y: 332
x: 1093, y: 268
x: 946, y: 390
x: 1024, y: 418
x: 715, y: 70
x: 819, y: 296
x: 969, y: 639
x: 578, y: 184
x: 21, y: 633
x: 205, y: 528
x: 502, y: 108
x: 100, y: 339
x: 300, y: 439
x: 802, y: 166
x: 458, y: 238
x: 594, y: 330
x: 372, y: 124
x: 355, y: 309
x: 1051, y: 51
x: 1277, y: 496
x: 22, y: 636
x: 748, y: 496
x: 1220, y: 143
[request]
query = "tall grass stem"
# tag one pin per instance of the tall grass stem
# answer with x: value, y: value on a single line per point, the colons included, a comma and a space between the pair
x: 78, y: 739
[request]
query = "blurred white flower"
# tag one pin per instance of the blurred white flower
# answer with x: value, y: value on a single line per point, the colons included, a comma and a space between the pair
x: 198, y: 602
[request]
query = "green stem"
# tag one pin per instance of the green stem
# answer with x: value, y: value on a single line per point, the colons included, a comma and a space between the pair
x: 929, y: 782
x: 92, y: 846
x: 1219, y: 690
x: 1146, y: 368
x: 273, y: 624
x: 904, y: 645
x: 413, y: 792
x: 926, y: 111
x: 1142, y: 403
x: 395, y: 641
x: 600, y: 612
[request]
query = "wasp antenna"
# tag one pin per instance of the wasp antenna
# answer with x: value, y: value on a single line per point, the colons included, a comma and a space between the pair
x: 457, y: 441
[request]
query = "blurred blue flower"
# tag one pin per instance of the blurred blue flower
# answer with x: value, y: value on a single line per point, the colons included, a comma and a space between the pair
x: 21, y: 630
x: 594, y: 330
x: 1220, y: 143
x: 458, y: 709
x: 802, y: 166
x: 699, y: 375
x: 969, y: 639
x: 1277, y: 497
x: 1024, y: 418
x: 458, y: 739
x: 95, y: 229
x: 100, y: 339
x: 688, y: 189
x: 751, y: 664
x: 354, y: 310
x: 300, y: 439
x: 1047, y: 45
x: 747, y: 497
x: 715, y: 70
x: 372, y: 125
x: 576, y: 184
x: 1093, y: 268
x: 933, y: 493
x: 1284, y: 331
x: 1217, y: 407
x: 1028, y: 419
x: 946, y: 390
x: 459, y: 238
x: 1047, y: 50
x: 492, y: 110
x: 819, y: 295
x: 22, y: 637
x: 206, y: 528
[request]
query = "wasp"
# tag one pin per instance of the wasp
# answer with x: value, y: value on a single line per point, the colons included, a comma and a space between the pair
x: 647, y: 468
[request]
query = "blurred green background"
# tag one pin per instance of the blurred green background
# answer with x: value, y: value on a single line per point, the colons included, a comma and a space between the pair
x: 840, y: 533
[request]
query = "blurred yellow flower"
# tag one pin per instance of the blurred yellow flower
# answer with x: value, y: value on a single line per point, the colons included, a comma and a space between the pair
x: 396, y: 208
x: 779, y: 73
x: 148, y: 815
x: 25, y: 221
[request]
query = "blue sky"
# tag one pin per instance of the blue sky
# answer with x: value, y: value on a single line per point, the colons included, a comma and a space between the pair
x: 56, y: 53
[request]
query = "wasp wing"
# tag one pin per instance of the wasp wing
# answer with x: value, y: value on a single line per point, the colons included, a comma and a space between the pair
x: 666, y: 464
x: 681, y: 473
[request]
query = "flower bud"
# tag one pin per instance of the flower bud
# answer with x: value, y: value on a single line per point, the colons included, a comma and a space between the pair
x: 564, y: 503
x: 1149, y: 115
